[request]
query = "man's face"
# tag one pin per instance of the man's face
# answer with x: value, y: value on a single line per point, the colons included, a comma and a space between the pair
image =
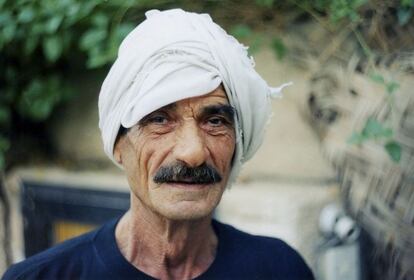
x: 175, y: 156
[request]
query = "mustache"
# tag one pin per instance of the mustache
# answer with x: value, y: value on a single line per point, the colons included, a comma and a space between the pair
x: 180, y: 172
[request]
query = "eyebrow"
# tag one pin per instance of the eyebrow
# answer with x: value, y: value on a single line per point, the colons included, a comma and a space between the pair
x: 226, y: 110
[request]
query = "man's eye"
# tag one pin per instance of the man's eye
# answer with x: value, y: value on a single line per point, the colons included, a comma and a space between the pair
x: 216, y: 121
x: 158, y: 120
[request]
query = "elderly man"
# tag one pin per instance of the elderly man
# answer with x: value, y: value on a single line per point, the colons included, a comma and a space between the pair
x: 181, y: 109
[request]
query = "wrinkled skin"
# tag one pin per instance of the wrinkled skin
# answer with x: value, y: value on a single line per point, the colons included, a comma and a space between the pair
x: 182, y: 132
x: 167, y: 232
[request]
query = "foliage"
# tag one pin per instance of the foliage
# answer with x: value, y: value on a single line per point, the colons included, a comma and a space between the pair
x: 354, y: 15
x: 345, y: 9
x: 377, y: 131
x: 335, y: 15
x: 353, y: 10
x: 265, y: 3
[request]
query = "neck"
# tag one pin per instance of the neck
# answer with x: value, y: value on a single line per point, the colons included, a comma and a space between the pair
x: 166, y: 249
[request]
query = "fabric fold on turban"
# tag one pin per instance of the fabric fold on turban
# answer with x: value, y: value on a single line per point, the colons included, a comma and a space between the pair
x: 174, y: 55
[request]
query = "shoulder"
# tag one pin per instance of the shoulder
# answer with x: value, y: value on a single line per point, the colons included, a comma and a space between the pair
x: 273, y: 255
x: 65, y: 256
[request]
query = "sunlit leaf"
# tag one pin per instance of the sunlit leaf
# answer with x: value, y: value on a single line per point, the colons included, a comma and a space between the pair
x: 26, y: 15
x: 100, y: 19
x: 52, y: 48
x: 375, y: 129
x: 98, y: 59
x: 91, y: 38
x: 9, y: 31
x: 356, y: 138
x: 53, y: 24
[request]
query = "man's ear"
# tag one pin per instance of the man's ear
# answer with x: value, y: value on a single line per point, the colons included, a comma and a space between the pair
x: 118, y: 150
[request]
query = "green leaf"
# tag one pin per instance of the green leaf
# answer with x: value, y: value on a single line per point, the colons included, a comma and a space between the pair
x: 356, y: 138
x: 9, y: 32
x: 52, y: 48
x: 375, y: 129
x: 279, y: 48
x: 37, y: 28
x: 404, y: 15
x: 73, y: 10
x: 265, y: 3
x: 122, y: 31
x: 40, y: 98
x: 53, y: 24
x: 407, y: 3
x: 392, y: 87
x: 5, y: 18
x: 100, y: 19
x: 92, y: 38
x: 241, y: 31
x: 99, y: 58
x: 394, y: 150
x: 31, y: 44
x: 340, y: 9
x: 26, y: 15
x: 378, y: 78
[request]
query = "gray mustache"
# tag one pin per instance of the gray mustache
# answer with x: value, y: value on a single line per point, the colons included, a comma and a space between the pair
x: 180, y: 172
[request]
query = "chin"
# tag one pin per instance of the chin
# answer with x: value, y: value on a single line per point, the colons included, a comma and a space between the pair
x: 187, y: 211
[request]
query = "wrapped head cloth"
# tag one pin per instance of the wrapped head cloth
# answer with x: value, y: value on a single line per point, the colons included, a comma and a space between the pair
x: 174, y: 55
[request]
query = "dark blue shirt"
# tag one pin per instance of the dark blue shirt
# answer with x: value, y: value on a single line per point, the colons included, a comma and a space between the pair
x: 95, y: 255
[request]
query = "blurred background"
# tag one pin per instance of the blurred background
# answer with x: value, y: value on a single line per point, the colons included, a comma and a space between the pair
x: 334, y: 177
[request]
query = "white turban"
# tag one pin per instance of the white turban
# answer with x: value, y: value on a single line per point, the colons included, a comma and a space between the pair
x: 174, y: 55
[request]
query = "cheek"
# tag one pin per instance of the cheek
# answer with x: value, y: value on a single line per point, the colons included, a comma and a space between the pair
x: 222, y: 149
x: 155, y: 148
x: 138, y: 157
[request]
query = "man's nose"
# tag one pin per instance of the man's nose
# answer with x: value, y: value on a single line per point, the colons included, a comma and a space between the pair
x: 190, y: 147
